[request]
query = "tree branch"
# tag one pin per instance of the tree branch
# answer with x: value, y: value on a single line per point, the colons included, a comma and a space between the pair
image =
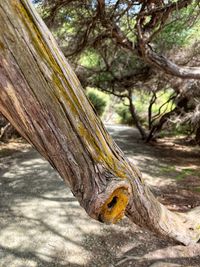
x: 169, y: 67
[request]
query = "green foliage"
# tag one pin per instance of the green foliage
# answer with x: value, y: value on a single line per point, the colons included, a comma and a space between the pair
x: 176, y: 173
x: 181, y: 31
x: 98, y: 99
x: 124, y: 114
x: 175, y: 129
x: 106, y: 65
x: 162, y: 97
x: 141, y: 101
x: 90, y: 59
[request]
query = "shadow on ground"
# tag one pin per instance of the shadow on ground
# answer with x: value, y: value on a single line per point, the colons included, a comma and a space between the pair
x: 42, y: 225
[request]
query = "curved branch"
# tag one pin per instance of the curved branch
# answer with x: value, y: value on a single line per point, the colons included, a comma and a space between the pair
x: 145, y: 32
x: 169, y: 67
x: 166, y: 8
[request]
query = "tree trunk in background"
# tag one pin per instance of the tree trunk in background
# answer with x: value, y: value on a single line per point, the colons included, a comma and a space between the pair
x: 197, y: 135
x: 135, y: 117
x: 41, y: 96
x: 159, y: 125
x: 7, y: 131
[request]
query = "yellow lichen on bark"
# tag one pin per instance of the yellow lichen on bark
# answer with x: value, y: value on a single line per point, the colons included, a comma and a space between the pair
x: 99, y: 145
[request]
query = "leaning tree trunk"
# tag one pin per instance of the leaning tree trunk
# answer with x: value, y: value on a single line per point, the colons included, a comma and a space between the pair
x: 41, y: 96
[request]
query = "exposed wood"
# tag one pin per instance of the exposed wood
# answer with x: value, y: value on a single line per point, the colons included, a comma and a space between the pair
x: 41, y: 96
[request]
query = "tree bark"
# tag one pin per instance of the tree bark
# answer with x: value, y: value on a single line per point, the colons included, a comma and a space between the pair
x: 169, y: 67
x: 41, y: 96
x: 159, y: 125
x: 147, y: 31
x: 7, y: 131
x: 135, y: 117
x: 197, y: 135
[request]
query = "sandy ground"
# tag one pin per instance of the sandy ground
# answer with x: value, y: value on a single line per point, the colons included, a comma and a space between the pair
x: 42, y: 225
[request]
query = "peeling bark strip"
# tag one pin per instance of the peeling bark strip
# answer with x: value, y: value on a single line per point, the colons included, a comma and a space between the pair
x: 41, y: 96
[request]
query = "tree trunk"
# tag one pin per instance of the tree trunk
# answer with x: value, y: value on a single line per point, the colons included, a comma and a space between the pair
x: 159, y: 125
x: 41, y: 96
x: 135, y: 116
x: 197, y: 135
x: 3, y: 121
x: 7, y: 131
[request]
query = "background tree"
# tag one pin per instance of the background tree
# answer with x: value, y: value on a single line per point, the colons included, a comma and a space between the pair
x: 124, y: 41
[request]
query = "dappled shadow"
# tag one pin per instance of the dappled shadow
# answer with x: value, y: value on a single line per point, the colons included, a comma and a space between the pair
x: 179, y: 197
x: 153, y: 251
x: 42, y: 224
x: 7, y: 152
x: 158, y: 161
x: 171, y: 168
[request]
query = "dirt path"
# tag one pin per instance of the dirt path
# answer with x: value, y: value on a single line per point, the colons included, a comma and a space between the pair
x: 42, y: 225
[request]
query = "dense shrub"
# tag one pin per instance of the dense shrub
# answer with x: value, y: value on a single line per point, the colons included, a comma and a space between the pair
x: 124, y: 114
x: 97, y: 101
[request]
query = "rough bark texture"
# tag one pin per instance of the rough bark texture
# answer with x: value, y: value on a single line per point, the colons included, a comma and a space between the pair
x: 41, y: 96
